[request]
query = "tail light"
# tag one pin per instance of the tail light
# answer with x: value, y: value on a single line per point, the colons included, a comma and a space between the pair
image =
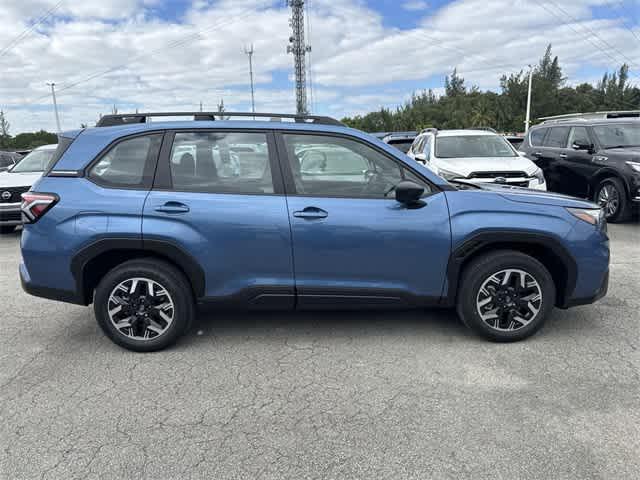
x: 35, y: 205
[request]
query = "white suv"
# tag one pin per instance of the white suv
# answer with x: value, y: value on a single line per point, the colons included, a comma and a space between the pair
x: 477, y: 156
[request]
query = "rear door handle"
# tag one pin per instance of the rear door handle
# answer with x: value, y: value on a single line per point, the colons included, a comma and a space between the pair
x: 537, y: 154
x: 311, y: 213
x: 563, y: 155
x: 172, y: 207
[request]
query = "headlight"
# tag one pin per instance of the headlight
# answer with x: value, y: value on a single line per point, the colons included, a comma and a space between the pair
x: 635, y: 166
x: 539, y: 175
x: 594, y: 216
x: 448, y: 174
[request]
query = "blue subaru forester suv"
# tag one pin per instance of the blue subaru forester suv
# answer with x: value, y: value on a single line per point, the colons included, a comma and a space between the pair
x: 148, y: 220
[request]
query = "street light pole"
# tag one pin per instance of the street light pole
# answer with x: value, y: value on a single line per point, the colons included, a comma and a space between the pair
x: 528, y: 119
x: 55, y: 104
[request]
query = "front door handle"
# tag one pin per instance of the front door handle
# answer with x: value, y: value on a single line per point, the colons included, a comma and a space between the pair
x: 311, y: 213
x: 537, y: 154
x: 172, y: 207
x: 563, y: 155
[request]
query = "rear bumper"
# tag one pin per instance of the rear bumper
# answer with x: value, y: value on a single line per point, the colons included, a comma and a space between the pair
x: 47, y: 292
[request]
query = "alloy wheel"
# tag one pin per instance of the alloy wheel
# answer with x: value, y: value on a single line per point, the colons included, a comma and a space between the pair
x: 609, y: 199
x: 141, y: 308
x: 509, y: 300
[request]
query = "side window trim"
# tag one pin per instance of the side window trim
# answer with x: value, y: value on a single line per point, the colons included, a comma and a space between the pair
x: 149, y: 169
x: 287, y: 174
x: 164, y: 182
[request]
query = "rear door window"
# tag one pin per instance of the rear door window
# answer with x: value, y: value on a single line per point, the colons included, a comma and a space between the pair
x: 557, y: 137
x: 579, y: 136
x: 221, y: 162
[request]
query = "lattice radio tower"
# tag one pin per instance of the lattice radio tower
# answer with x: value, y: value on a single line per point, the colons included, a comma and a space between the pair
x: 299, y: 48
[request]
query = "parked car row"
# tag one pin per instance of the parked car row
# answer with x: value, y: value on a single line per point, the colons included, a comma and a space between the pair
x: 145, y: 221
x: 593, y: 156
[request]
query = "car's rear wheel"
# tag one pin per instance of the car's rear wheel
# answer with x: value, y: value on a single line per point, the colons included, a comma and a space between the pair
x: 505, y: 296
x: 144, y: 305
x: 5, y: 229
x: 611, y: 195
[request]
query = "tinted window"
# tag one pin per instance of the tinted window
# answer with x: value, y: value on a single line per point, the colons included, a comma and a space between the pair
x: 557, y: 137
x: 339, y: 167
x: 129, y: 163
x: 537, y: 136
x: 5, y: 161
x: 618, y: 135
x: 580, y: 136
x: 221, y: 162
x: 402, y: 145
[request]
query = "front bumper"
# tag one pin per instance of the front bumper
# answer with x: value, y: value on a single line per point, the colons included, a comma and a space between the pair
x: 602, y: 291
x: 10, y: 214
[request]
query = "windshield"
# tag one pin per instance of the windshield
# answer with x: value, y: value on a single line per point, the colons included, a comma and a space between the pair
x: 473, y: 146
x: 625, y: 135
x: 36, y: 161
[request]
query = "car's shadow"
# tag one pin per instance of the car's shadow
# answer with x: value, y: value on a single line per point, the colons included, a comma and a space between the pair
x: 233, y: 325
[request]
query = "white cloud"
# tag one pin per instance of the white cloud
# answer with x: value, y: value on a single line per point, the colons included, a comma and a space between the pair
x: 119, y: 52
x: 415, y: 5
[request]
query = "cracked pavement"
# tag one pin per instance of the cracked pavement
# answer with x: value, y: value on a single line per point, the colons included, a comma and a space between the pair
x: 385, y: 395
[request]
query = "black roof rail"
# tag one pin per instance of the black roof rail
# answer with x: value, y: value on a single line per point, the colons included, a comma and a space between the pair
x: 111, y: 120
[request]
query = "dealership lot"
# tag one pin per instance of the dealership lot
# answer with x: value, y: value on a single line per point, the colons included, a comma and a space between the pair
x: 323, y: 395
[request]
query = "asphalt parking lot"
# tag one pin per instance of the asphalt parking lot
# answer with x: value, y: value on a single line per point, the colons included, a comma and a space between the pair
x: 323, y: 395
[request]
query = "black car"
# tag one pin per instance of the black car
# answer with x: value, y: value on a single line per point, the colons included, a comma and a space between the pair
x: 400, y: 140
x: 8, y: 160
x: 590, y: 156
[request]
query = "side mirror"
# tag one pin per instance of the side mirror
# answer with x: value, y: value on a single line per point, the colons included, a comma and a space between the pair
x: 421, y: 157
x: 408, y: 192
x: 582, y: 146
x: 521, y: 154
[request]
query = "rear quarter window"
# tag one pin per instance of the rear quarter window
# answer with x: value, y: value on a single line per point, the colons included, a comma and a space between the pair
x: 537, y: 136
x: 128, y: 164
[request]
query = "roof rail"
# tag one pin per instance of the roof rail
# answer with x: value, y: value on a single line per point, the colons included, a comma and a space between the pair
x: 568, y: 117
x: 429, y: 130
x: 128, y: 118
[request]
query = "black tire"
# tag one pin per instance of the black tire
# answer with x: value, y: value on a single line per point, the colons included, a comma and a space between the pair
x: 6, y: 229
x: 623, y: 211
x: 165, y: 274
x: 481, y: 269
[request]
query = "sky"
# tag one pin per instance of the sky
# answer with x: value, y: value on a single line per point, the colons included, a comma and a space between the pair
x: 170, y: 55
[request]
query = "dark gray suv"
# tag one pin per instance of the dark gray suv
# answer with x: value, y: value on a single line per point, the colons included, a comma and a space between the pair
x: 594, y: 156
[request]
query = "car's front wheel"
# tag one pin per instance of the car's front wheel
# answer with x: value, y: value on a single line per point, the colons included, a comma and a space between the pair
x: 144, y: 305
x: 505, y: 296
